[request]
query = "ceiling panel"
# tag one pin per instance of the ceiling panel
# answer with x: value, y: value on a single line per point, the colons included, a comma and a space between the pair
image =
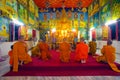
x: 59, y: 3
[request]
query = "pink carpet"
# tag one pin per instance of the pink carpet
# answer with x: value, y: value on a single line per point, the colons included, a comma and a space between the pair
x: 54, y: 67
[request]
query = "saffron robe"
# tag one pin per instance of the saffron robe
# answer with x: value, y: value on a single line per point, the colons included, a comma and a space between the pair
x: 65, y: 51
x: 44, y: 50
x: 81, y: 51
x: 20, y: 50
x: 108, y: 56
x: 35, y: 51
x: 10, y: 53
x: 92, y: 47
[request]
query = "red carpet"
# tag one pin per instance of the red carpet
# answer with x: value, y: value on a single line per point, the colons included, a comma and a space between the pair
x: 54, y: 67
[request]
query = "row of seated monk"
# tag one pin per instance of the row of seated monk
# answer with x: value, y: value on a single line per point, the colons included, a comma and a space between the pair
x: 19, y: 53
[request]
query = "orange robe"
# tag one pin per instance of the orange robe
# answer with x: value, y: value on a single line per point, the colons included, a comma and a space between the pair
x: 10, y: 53
x: 35, y: 51
x: 108, y: 56
x: 20, y: 54
x: 44, y: 50
x: 81, y: 51
x: 65, y: 51
x: 92, y: 46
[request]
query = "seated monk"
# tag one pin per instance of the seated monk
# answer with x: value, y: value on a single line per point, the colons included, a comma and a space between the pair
x: 65, y: 51
x: 108, y: 56
x: 81, y: 52
x: 36, y: 51
x: 44, y: 50
x: 92, y: 46
x: 20, y: 53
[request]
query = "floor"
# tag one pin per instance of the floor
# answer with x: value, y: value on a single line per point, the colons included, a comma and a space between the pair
x: 117, y: 58
x: 65, y: 77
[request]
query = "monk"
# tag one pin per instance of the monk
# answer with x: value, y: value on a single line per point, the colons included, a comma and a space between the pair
x: 10, y: 53
x: 81, y: 52
x: 65, y: 51
x: 108, y: 56
x: 92, y: 47
x: 20, y: 54
x: 35, y: 50
x: 44, y: 50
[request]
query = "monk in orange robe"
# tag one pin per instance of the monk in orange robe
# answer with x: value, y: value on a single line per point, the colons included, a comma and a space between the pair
x: 20, y: 53
x: 44, y: 50
x: 10, y: 53
x: 108, y: 56
x: 81, y: 52
x: 92, y: 46
x: 65, y: 51
x: 35, y: 50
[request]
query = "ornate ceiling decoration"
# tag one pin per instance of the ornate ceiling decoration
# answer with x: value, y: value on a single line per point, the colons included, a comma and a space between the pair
x: 63, y: 3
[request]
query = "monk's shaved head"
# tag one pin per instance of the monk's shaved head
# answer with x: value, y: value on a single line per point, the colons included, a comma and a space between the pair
x: 82, y: 39
x: 109, y: 42
x: 21, y: 37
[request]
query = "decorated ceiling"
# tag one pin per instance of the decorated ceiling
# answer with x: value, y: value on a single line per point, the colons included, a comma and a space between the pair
x: 63, y: 18
x: 59, y: 3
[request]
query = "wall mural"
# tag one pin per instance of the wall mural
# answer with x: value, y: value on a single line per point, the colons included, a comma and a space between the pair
x: 11, y: 7
x: 90, y: 8
x: 103, y: 2
x: 105, y: 14
x: 115, y: 9
x: 96, y: 19
x: 4, y: 29
x: 91, y: 22
x: 98, y: 33
x: 20, y: 12
x: 105, y: 32
x: 2, y: 2
x: 64, y: 21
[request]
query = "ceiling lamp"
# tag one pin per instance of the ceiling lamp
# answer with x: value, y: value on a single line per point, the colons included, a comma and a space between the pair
x: 47, y: 4
x: 63, y: 5
x: 79, y: 4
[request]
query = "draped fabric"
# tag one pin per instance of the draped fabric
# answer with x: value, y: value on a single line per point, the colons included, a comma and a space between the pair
x: 65, y: 51
x: 108, y: 56
x: 10, y: 53
x: 35, y: 51
x: 92, y: 47
x: 81, y: 51
x: 44, y: 50
x: 20, y: 54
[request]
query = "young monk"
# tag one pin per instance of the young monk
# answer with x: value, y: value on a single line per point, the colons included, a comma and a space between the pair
x: 65, y: 51
x: 92, y: 47
x: 10, y: 53
x: 44, y: 50
x: 81, y: 52
x: 35, y: 50
x: 108, y: 55
x: 20, y: 53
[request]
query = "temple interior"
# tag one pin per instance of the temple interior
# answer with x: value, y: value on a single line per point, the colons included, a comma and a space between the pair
x: 58, y: 19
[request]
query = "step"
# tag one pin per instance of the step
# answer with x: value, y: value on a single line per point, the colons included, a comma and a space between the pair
x: 64, y: 67
x: 4, y: 66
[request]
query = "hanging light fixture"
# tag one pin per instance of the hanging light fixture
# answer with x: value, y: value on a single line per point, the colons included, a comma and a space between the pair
x: 63, y: 4
x: 80, y: 8
x: 79, y: 5
x: 47, y: 5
